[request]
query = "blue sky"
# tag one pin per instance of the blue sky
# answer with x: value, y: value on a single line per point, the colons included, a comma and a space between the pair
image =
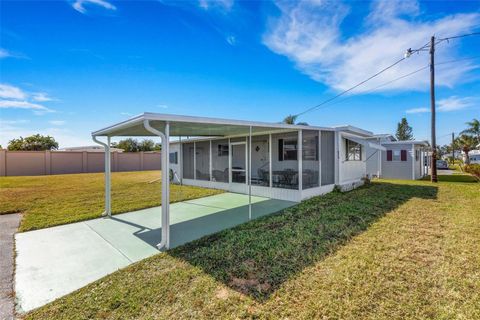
x: 72, y: 67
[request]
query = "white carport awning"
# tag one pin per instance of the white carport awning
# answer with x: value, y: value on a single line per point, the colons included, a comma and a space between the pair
x: 366, y: 143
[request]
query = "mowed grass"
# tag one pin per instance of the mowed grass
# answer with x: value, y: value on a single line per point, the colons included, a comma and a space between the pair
x: 47, y: 201
x: 390, y: 250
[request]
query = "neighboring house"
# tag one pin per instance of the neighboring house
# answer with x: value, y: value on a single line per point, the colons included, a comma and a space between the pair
x: 401, y: 160
x: 404, y: 160
x: 94, y: 148
x: 374, y: 156
x: 473, y: 156
x: 449, y: 155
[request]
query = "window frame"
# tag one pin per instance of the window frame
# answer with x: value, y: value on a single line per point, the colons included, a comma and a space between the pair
x: 175, y: 157
x: 356, y: 153
x: 293, y: 153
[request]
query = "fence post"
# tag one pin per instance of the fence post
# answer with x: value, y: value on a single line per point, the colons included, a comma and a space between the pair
x: 141, y: 160
x: 84, y: 162
x: 48, y: 162
x: 3, y: 163
x: 114, y: 156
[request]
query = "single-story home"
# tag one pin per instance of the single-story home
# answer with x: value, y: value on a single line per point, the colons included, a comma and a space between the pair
x: 406, y: 159
x: 273, y: 160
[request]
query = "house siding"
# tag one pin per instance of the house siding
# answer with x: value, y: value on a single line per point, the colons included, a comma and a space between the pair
x: 398, y: 169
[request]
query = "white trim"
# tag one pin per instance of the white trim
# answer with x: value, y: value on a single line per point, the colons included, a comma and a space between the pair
x: 270, y: 160
x: 203, y: 120
x: 210, y: 162
x: 413, y: 162
x: 300, y: 159
x: 195, y: 160
x: 319, y: 155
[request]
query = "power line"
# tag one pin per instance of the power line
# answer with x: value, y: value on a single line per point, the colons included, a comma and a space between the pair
x: 399, y: 78
x: 350, y: 89
x: 409, y: 52
x: 459, y: 36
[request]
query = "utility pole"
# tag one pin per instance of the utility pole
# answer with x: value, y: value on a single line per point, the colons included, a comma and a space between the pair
x: 432, y: 106
x: 453, y: 147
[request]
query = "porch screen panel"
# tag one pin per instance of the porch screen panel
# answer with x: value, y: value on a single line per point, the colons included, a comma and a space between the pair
x: 328, y: 157
x: 187, y: 158
x: 284, y: 160
x: 310, y: 165
x: 202, y: 159
x: 260, y: 161
x: 220, y: 153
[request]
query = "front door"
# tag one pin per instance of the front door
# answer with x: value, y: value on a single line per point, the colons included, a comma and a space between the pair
x: 238, y: 162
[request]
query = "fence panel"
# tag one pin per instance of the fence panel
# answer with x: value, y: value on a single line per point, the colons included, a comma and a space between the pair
x: 35, y: 163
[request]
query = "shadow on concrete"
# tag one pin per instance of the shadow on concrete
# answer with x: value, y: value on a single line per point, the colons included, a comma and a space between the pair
x: 184, y: 232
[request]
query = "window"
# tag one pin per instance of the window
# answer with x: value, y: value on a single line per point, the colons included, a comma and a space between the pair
x: 396, y: 155
x: 417, y: 154
x: 222, y: 150
x: 287, y: 149
x: 174, y: 157
x: 354, y: 151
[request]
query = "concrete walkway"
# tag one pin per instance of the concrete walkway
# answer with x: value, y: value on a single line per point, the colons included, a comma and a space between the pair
x: 55, y: 261
x: 8, y: 226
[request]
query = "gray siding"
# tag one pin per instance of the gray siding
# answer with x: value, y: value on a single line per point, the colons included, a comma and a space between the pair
x: 328, y: 157
x: 397, y: 169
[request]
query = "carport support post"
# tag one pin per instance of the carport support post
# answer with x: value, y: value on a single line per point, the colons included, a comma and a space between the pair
x: 165, y: 241
x: 108, y: 206
x: 250, y: 174
x: 108, y: 188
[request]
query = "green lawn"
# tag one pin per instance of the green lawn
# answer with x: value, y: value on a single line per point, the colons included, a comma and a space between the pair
x: 47, y: 201
x: 390, y: 250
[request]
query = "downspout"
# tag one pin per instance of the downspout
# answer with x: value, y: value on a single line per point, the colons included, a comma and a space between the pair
x: 165, y: 240
x: 108, y: 207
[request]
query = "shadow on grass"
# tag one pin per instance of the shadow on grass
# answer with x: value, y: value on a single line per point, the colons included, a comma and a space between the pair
x: 255, y: 258
x: 454, y: 178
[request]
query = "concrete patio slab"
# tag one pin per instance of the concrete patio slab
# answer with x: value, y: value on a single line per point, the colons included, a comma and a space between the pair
x: 55, y: 261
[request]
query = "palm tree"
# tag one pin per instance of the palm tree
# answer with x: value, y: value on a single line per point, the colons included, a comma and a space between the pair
x: 467, y: 143
x: 474, y: 129
x: 292, y: 118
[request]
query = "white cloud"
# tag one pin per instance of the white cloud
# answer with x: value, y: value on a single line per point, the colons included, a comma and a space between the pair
x: 309, y: 34
x: 57, y: 122
x: 449, y: 104
x: 5, y: 53
x: 162, y: 106
x: 125, y: 113
x: 454, y: 103
x: 15, y: 104
x: 216, y: 4
x: 231, y: 40
x: 11, y: 92
x: 418, y: 110
x: 79, y: 5
x: 41, y: 97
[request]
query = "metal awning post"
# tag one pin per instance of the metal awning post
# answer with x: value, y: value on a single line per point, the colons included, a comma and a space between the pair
x: 108, y: 200
x: 250, y: 174
x: 165, y: 240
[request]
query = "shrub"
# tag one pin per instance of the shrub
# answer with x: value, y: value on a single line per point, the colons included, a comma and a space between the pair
x: 472, y: 169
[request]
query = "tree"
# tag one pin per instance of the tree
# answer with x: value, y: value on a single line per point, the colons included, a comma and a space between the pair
x: 466, y: 143
x: 291, y: 119
x: 133, y: 145
x: 404, y: 131
x: 146, y: 145
x: 128, y: 145
x: 473, y: 129
x: 36, y: 142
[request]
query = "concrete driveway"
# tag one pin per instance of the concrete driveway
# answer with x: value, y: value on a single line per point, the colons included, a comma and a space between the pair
x: 55, y: 261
